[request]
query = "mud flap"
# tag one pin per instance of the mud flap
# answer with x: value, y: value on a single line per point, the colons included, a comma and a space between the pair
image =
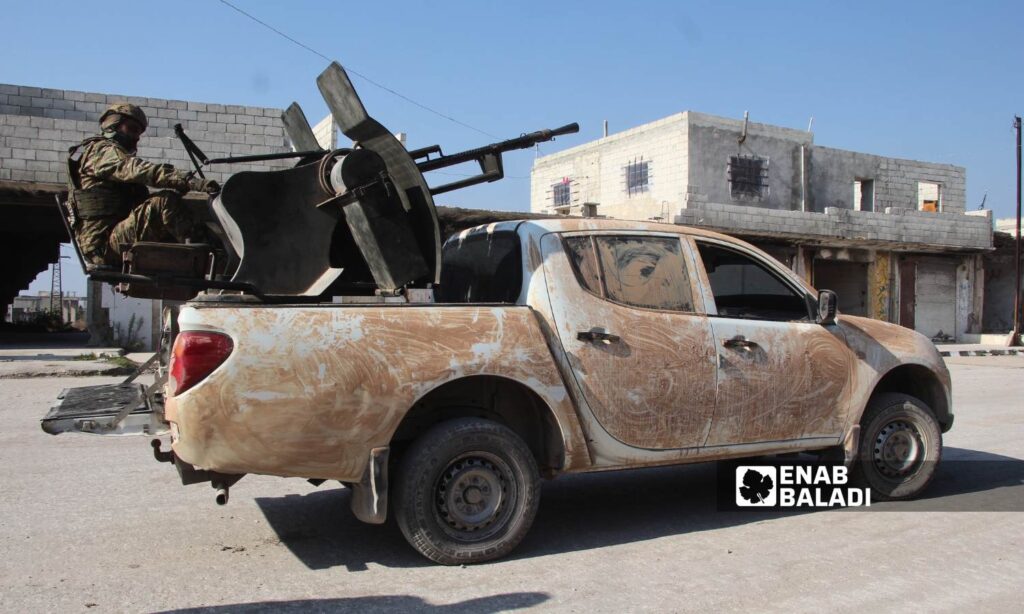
x: 112, y: 409
x: 370, y: 494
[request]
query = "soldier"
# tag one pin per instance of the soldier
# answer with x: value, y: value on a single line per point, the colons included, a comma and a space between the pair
x: 107, y: 187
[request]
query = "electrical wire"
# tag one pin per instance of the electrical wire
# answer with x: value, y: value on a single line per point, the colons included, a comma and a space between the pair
x: 354, y: 72
x: 477, y: 175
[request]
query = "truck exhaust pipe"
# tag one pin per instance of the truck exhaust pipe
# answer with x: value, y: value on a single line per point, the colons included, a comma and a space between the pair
x: 222, y: 493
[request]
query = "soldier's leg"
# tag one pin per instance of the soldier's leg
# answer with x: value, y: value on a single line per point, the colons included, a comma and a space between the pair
x: 92, y: 236
x: 144, y: 223
x: 162, y: 217
x: 175, y: 217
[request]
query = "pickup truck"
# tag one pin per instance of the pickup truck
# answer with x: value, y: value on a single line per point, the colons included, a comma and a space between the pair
x: 339, y: 339
x: 554, y: 347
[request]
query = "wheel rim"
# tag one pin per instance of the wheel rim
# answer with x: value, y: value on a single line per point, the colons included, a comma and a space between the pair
x: 899, y: 449
x: 475, y: 496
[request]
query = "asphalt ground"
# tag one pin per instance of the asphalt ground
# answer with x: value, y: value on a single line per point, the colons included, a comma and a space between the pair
x: 90, y: 523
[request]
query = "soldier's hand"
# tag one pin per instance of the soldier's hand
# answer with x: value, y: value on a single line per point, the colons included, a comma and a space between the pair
x: 204, y: 185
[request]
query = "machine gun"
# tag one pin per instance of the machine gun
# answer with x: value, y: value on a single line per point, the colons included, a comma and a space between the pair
x: 488, y: 156
x: 363, y: 216
x: 353, y: 220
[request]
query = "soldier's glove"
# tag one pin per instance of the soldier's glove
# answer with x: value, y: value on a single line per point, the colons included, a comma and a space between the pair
x: 204, y: 185
x: 168, y: 177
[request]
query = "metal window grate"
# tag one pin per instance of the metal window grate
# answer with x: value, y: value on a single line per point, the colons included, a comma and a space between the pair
x: 637, y: 176
x: 561, y: 193
x: 748, y: 176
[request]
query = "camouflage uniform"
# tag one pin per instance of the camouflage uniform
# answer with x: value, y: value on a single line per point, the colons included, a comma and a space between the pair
x: 116, y: 210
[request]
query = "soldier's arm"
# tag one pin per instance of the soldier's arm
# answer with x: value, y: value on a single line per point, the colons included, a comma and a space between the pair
x: 112, y: 162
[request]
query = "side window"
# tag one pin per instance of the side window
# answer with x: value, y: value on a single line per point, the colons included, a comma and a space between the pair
x: 744, y: 288
x: 647, y: 272
x: 584, y: 263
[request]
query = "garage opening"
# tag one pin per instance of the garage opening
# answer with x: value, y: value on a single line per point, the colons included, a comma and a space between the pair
x: 935, y: 299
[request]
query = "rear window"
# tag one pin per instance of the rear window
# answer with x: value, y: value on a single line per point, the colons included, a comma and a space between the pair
x: 482, y: 268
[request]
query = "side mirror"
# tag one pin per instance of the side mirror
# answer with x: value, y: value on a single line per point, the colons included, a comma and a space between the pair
x: 827, y: 307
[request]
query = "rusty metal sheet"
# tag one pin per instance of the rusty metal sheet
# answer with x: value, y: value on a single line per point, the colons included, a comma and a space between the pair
x: 308, y: 391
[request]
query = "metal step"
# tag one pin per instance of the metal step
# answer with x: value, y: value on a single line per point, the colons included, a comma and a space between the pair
x: 112, y: 409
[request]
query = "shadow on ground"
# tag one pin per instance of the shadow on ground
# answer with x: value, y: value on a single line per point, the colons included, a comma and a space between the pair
x: 32, y: 340
x: 970, y: 481
x: 589, y: 511
x: 389, y: 603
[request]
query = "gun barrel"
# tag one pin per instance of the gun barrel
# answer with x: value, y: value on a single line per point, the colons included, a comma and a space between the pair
x: 572, y: 128
x: 521, y: 142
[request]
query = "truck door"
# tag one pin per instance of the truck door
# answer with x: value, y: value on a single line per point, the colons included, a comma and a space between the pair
x: 643, y: 358
x: 781, y: 376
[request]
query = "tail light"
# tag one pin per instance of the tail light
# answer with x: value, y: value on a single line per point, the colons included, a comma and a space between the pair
x: 194, y: 356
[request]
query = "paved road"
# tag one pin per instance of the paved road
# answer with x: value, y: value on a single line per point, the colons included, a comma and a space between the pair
x: 94, y: 524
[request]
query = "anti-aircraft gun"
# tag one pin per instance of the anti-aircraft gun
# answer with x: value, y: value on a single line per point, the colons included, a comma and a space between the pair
x: 358, y: 220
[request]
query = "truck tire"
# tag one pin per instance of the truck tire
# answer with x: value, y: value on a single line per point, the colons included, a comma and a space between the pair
x: 466, y: 491
x: 900, y: 447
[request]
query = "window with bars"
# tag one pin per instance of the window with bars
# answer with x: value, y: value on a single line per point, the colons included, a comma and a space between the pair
x: 748, y: 176
x: 637, y: 176
x: 561, y: 194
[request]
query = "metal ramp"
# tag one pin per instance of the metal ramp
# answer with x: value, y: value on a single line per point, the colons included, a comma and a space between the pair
x: 112, y: 409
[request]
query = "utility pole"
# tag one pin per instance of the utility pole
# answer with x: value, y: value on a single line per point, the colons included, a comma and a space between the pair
x: 1015, y: 335
x: 56, y: 289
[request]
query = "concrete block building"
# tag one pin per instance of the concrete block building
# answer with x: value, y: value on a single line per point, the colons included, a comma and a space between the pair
x: 890, y: 236
x: 38, y: 125
x: 24, y: 308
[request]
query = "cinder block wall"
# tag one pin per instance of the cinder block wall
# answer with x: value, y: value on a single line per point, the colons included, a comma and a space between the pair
x: 896, y: 180
x: 714, y: 140
x: 37, y: 126
x: 597, y: 172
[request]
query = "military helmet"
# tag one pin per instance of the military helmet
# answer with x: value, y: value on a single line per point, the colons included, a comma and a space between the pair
x: 115, y: 112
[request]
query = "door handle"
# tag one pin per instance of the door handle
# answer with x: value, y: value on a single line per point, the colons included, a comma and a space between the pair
x: 597, y: 334
x: 739, y: 341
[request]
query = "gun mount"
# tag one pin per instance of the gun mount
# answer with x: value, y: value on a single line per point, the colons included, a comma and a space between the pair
x: 356, y: 220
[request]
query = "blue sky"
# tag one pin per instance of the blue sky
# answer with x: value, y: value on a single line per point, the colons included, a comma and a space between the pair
x: 915, y: 80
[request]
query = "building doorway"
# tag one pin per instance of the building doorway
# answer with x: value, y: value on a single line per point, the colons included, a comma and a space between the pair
x: 849, y: 280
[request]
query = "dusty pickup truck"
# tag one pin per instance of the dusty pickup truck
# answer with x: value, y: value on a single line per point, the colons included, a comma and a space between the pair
x: 337, y: 338
x: 553, y: 347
